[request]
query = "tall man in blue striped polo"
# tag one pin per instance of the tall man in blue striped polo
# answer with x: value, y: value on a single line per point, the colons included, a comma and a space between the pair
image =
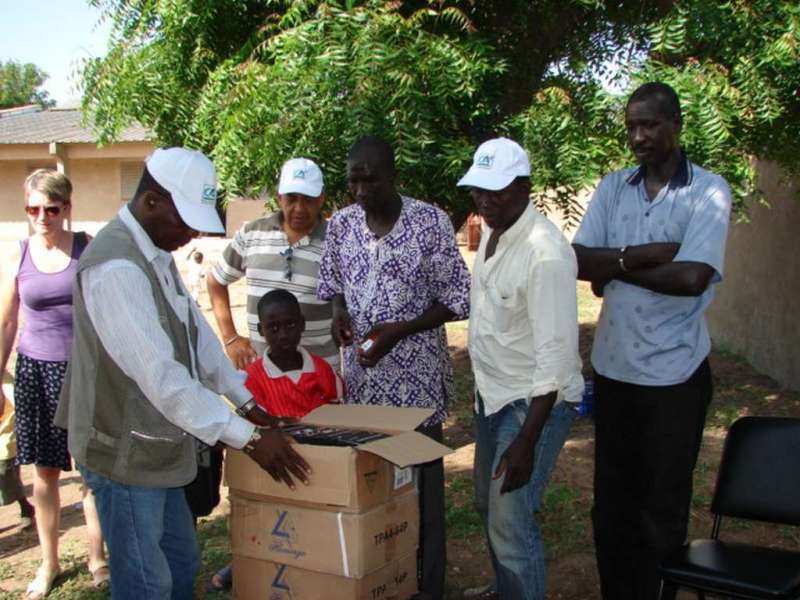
x: 652, y: 243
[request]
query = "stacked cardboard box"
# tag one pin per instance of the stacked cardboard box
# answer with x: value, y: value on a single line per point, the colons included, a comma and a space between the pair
x: 352, y: 533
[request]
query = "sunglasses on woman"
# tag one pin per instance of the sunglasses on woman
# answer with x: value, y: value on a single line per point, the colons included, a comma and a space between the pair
x: 51, y: 211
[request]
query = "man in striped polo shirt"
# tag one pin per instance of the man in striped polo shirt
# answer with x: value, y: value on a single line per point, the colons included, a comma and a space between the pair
x: 278, y: 251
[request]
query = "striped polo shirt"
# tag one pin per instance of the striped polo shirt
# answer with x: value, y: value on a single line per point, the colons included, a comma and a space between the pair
x: 260, y: 252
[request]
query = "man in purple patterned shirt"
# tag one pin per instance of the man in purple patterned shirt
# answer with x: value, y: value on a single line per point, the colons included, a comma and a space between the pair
x: 392, y: 269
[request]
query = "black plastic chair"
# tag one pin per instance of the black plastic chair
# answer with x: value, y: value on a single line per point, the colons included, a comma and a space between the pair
x: 759, y: 479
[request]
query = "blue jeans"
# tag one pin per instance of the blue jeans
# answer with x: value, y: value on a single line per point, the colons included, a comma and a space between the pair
x: 515, y: 539
x: 151, y: 539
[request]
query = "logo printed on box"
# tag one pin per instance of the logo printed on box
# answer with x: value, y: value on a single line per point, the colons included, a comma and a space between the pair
x: 279, y: 584
x: 284, y: 535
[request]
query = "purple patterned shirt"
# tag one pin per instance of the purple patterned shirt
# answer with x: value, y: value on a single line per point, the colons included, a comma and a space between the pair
x: 397, y: 278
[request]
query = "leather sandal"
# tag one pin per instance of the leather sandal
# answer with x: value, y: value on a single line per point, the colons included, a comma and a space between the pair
x: 101, y: 576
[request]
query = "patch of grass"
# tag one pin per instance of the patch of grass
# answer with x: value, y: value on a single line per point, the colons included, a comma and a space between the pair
x: 215, y: 551
x: 463, y: 522
x: 6, y: 570
x: 462, y: 407
x: 704, y: 475
x: 588, y: 304
x: 739, y: 524
x: 701, y: 500
x: 724, y: 415
x: 564, y: 519
x: 74, y: 583
x: 790, y: 534
x: 462, y: 518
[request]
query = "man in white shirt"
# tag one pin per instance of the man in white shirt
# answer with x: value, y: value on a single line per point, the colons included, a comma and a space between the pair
x: 523, y: 343
x: 144, y: 383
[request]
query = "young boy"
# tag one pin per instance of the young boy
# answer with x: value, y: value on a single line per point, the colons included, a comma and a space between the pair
x: 289, y: 381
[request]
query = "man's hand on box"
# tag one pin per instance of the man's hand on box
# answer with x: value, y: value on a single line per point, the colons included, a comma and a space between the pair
x: 380, y: 340
x: 274, y: 453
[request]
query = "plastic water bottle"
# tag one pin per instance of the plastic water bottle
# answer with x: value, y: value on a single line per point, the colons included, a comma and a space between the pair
x: 586, y: 405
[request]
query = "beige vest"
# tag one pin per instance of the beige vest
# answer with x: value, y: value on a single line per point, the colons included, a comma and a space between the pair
x: 112, y: 428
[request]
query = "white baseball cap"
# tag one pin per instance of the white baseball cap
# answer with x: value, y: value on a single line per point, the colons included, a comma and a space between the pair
x: 496, y: 164
x: 300, y: 176
x: 190, y: 178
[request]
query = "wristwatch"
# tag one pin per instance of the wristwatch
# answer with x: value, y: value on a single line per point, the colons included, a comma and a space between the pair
x: 246, y: 407
x: 622, y: 259
x: 251, y: 443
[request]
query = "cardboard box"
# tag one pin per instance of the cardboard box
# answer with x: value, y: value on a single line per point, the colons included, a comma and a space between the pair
x: 264, y: 580
x: 339, y: 543
x: 348, y: 479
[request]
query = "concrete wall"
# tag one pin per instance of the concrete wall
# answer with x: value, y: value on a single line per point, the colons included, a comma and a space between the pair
x: 755, y: 312
x: 241, y: 210
x: 95, y: 174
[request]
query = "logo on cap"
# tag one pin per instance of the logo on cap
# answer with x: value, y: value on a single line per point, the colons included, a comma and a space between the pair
x: 299, y: 174
x: 485, y: 161
x: 209, y: 194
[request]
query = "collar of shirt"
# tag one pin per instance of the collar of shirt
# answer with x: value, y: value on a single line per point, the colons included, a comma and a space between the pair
x: 275, y: 223
x: 681, y: 178
x: 274, y: 372
x: 151, y: 252
x: 399, y: 227
x: 522, y: 226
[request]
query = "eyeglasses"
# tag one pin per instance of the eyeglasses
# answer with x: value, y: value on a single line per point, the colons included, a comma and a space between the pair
x: 51, y: 211
x: 287, y: 254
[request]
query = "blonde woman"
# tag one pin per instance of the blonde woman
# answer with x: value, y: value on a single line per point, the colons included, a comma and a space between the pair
x: 37, y: 279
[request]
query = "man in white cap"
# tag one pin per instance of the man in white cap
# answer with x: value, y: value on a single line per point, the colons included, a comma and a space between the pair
x: 145, y: 379
x: 279, y: 251
x: 523, y: 343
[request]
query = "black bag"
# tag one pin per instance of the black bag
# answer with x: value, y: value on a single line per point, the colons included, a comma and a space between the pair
x: 203, y: 493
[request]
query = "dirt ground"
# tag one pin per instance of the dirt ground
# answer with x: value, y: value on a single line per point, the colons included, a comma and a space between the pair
x: 571, y: 572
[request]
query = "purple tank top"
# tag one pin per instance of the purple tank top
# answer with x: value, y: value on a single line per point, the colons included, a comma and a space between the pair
x: 46, y: 300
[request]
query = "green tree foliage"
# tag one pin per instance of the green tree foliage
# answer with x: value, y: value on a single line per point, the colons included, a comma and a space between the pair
x: 254, y: 82
x: 19, y: 85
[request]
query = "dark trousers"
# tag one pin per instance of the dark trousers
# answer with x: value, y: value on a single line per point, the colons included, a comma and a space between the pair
x: 646, y: 445
x: 432, y: 554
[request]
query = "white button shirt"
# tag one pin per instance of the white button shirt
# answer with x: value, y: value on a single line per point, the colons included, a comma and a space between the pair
x: 124, y: 314
x: 523, y: 324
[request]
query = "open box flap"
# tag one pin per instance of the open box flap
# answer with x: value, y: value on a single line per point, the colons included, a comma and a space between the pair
x: 385, y: 419
x: 405, y: 449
